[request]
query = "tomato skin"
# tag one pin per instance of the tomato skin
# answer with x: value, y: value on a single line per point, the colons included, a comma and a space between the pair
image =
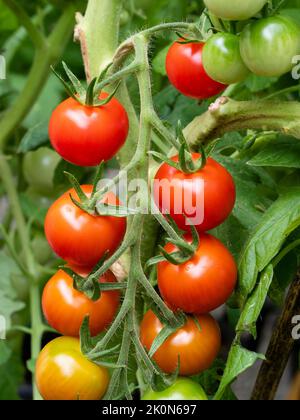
x: 269, y: 45
x: 222, y: 59
x: 197, y: 349
x: 213, y: 183
x: 182, y: 389
x: 65, y: 308
x: 63, y: 373
x: 85, y: 135
x: 186, y: 72
x: 39, y: 167
x: 79, y: 238
x: 203, y: 283
x: 235, y: 9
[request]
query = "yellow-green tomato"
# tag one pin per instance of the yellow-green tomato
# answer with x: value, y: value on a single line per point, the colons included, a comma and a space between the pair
x: 235, y: 9
x: 269, y: 45
x: 222, y: 59
x: 182, y: 389
x: 39, y: 167
x: 63, y: 373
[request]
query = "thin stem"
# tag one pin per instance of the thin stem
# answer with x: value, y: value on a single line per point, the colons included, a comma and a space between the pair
x: 36, y: 36
x: 280, y: 347
x: 285, y: 91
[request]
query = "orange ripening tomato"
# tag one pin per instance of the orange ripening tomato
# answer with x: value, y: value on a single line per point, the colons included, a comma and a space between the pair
x: 206, y: 197
x: 196, y: 347
x: 63, y: 373
x: 186, y: 72
x: 201, y: 284
x: 79, y: 238
x: 65, y: 308
x: 87, y: 135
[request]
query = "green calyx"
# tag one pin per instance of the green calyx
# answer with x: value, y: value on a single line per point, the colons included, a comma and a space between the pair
x: 90, y: 95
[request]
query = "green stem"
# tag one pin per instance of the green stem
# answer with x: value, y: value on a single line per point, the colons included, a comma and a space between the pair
x: 98, y: 32
x: 227, y: 115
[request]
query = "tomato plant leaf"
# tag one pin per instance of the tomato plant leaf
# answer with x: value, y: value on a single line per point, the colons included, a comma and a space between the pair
x: 255, y: 303
x: 282, y: 218
x: 34, y: 138
x: 239, y: 360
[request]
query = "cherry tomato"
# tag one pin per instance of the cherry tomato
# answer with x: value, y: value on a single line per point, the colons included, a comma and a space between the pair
x: 186, y: 72
x: 269, y: 45
x: 235, y: 9
x: 182, y: 389
x: 65, y: 308
x: 196, y: 347
x: 63, y: 373
x: 78, y: 237
x: 203, y: 283
x: 39, y: 167
x: 222, y: 59
x: 206, y: 197
x: 86, y: 135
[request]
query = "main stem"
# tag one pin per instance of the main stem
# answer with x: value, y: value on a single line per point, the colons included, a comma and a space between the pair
x: 280, y: 347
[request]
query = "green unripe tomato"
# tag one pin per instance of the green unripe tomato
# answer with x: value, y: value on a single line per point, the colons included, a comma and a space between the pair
x: 39, y: 167
x: 269, y: 45
x: 235, y: 9
x: 222, y: 59
x: 182, y: 389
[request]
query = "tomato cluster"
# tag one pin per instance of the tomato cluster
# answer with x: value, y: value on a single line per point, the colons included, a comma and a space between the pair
x: 87, y: 136
x: 265, y: 47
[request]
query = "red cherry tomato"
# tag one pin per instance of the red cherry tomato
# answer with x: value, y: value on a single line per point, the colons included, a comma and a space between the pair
x: 196, y: 347
x: 186, y: 72
x: 206, y: 197
x: 63, y: 373
x: 87, y: 135
x: 79, y: 238
x: 203, y: 283
x: 65, y: 308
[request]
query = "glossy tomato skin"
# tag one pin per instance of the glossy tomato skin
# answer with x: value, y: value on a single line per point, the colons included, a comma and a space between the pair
x: 63, y: 373
x: 186, y: 72
x: 65, y: 308
x: 203, y: 283
x: 79, y: 238
x: 222, y: 59
x: 182, y: 389
x: 269, y: 45
x: 86, y: 135
x: 197, y: 349
x: 208, y: 194
x: 235, y: 9
x: 39, y: 167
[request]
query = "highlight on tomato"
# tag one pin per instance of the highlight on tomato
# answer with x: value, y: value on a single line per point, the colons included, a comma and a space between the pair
x: 205, y: 197
x: 182, y: 389
x: 87, y: 135
x: 235, y: 9
x: 269, y: 45
x: 65, y: 308
x: 196, y: 344
x: 63, y: 373
x: 186, y: 72
x: 78, y: 237
x: 201, y: 284
x: 222, y: 59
